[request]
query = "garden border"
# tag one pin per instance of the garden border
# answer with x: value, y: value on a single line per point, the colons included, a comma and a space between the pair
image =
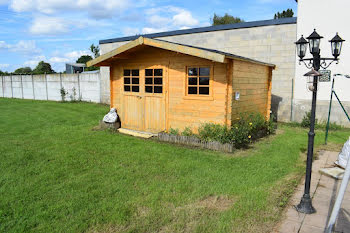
x: 194, y: 141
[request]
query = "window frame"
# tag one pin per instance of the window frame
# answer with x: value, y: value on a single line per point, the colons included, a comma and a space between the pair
x: 199, y: 96
x: 153, y: 76
x: 130, y: 84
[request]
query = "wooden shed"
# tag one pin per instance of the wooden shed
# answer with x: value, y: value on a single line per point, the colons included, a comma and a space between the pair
x: 157, y: 85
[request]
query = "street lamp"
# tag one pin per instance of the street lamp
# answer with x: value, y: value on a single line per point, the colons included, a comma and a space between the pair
x: 314, y: 63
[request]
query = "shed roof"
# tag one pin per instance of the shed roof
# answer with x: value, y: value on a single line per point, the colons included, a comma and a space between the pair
x: 209, y: 54
x: 260, y: 23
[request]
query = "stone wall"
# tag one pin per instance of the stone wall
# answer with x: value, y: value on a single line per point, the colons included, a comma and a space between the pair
x: 272, y: 44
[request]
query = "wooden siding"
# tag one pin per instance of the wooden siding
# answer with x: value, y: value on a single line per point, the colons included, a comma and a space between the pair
x: 253, y: 81
x: 181, y: 110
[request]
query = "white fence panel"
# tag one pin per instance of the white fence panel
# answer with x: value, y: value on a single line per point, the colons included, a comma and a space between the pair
x: 48, y: 87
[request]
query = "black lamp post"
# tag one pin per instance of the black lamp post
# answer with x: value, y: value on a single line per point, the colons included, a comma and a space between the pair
x: 314, y: 63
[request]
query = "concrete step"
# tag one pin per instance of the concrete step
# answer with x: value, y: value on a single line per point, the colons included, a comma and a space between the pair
x: 136, y: 133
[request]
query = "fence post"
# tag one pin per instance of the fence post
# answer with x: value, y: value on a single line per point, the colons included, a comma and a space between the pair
x: 79, y: 95
x: 11, y: 86
x: 22, y: 87
x: 99, y: 86
x: 47, y: 93
x: 61, y: 84
x: 33, y: 87
x: 2, y: 85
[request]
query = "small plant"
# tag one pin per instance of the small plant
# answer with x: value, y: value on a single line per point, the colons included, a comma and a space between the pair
x: 307, y: 120
x: 187, y: 132
x: 63, y: 93
x: 73, y: 96
x: 174, y: 131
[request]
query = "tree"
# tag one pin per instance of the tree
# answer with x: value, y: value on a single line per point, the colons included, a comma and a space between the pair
x: 95, y: 50
x: 23, y: 70
x: 226, y: 19
x: 43, y: 68
x: 285, y: 14
x: 4, y: 73
x: 84, y: 59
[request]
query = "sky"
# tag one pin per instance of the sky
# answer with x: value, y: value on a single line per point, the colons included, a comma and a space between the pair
x: 60, y: 31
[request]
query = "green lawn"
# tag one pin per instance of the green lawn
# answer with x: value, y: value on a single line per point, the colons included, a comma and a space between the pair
x: 57, y: 175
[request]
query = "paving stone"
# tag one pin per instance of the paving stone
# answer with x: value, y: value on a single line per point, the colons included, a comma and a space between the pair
x: 311, y: 229
x: 289, y: 227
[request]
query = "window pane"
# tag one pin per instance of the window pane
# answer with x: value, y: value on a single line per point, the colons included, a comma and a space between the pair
x: 126, y: 88
x: 204, y: 90
x: 204, y: 81
x: 126, y: 80
x: 126, y: 72
x: 158, y: 81
x: 192, y: 81
x: 192, y: 90
x: 158, y: 72
x: 149, y: 89
x: 149, y: 81
x: 205, y: 71
x: 135, y: 88
x: 135, y: 80
x: 148, y: 72
x: 135, y: 72
x: 158, y: 89
x: 192, y: 71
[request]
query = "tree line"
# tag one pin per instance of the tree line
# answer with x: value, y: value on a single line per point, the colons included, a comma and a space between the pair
x: 45, y: 67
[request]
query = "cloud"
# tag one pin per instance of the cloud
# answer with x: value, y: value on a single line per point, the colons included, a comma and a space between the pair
x: 95, y: 8
x: 168, y: 18
x: 184, y: 18
x: 23, y: 46
x: 148, y: 30
x: 44, y: 25
x: 2, y: 66
x: 129, y: 31
x: 33, y: 62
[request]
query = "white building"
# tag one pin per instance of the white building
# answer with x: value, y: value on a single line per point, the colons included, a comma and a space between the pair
x: 328, y: 18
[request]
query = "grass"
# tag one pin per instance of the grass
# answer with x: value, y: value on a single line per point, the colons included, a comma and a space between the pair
x: 57, y: 175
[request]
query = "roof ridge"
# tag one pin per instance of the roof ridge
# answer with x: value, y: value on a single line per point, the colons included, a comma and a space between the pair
x: 260, y: 23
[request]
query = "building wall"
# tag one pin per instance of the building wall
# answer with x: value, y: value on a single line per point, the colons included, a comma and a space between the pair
x: 272, y: 44
x: 327, y: 18
x: 253, y: 82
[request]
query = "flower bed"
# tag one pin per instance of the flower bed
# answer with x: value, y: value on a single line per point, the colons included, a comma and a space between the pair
x: 244, y: 130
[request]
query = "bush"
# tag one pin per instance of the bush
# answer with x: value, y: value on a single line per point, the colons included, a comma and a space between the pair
x: 244, y: 130
x: 307, y: 120
x: 174, y: 131
x: 187, y: 132
x: 213, y: 132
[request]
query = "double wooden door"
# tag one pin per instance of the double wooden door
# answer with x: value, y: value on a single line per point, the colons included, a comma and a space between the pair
x: 144, y: 98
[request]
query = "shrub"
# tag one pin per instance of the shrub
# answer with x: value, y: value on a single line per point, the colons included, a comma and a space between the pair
x: 244, y: 130
x: 307, y: 120
x: 187, y: 132
x: 174, y: 131
x: 63, y: 93
x: 213, y: 132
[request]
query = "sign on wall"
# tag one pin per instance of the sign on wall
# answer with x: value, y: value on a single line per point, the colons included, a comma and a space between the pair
x: 326, y: 76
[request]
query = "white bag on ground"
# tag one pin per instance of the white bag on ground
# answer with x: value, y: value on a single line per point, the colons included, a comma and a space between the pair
x: 111, y: 117
x: 344, y: 155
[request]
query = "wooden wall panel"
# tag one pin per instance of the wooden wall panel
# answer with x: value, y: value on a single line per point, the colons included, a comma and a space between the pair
x: 253, y: 81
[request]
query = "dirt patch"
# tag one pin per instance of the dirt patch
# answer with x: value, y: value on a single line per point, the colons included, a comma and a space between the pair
x: 217, y: 203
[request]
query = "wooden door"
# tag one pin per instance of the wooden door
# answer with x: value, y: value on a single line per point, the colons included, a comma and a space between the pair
x: 132, y: 115
x: 155, y: 98
x: 144, y: 98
